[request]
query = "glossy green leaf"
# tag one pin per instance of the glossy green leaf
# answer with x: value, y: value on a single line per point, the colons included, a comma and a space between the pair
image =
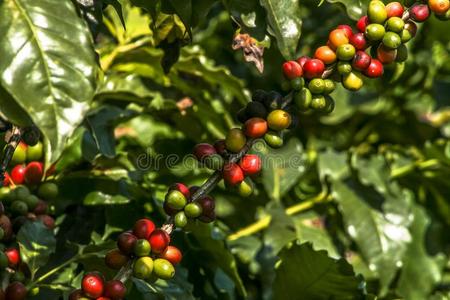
x: 304, y: 273
x: 48, y: 65
x: 285, y: 24
x: 99, y: 198
x: 355, y: 8
x: 36, y: 243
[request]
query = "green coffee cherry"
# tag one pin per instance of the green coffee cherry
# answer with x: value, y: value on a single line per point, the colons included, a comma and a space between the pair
x: 48, y: 190
x: 143, y: 267
x: 193, y: 210
x: 377, y: 12
x: 405, y: 36
x: 142, y: 248
x: 297, y: 83
x: 318, y: 103
x: 31, y: 201
x: 180, y: 219
x: 402, y: 53
x: 352, y: 81
x: 175, y: 200
x: 245, y: 188
x: 303, y: 99
x: 330, y: 104
x: 235, y: 140
x: 4, y: 193
x: 345, y: 52
x: 273, y: 139
x: 395, y: 24
x: 375, y: 32
x: 163, y: 269
x: 19, y: 207
x: 316, y: 86
x: 330, y: 86
x: 344, y: 67
x: 21, y: 192
x: 392, y: 40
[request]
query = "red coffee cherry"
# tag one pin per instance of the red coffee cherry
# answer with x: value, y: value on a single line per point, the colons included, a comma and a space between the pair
x: 348, y: 30
x: 302, y: 60
x: 172, y: 254
x: 144, y: 227
x: 115, y: 290
x: 358, y: 40
x: 313, y: 68
x: 126, y: 242
x: 232, y: 174
x: 362, y: 23
x: 291, y: 69
x: 203, y: 150
x: 208, y: 204
x: 181, y: 188
x: 103, y: 298
x: 394, y: 9
x: 115, y: 259
x: 48, y: 221
x: 159, y: 240
x: 13, y: 257
x: 375, y: 69
x: 34, y: 172
x: 255, y: 127
x: 220, y: 147
x: 18, y: 174
x: 92, y: 285
x: 361, y: 61
x: 386, y: 55
x: 76, y: 295
x: 16, y: 291
x: 250, y: 164
x: 419, y: 12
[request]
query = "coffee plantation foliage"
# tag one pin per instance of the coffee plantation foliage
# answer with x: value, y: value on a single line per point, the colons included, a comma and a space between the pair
x: 354, y: 205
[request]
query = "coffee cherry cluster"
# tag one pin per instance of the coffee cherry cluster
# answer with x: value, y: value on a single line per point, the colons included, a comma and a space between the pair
x: 179, y: 204
x: 147, y: 247
x: 348, y: 55
x: 94, y: 286
x: 11, y: 265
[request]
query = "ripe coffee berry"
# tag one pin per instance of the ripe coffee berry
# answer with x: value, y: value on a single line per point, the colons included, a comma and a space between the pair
x: 302, y: 60
x: 250, y: 164
x: 144, y: 227
x: 386, y: 55
x: 173, y: 255
x: 313, y: 68
x: 126, y: 242
x: 439, y: 7
x: 115, y: 290
x: 358, y: 40
x: 201, y: 151
x: 34, y: 172
x: 337, y: 37
x: 207, y: 203
x: 232, y: 174
x: 255, y: 127
x: 362, y: 23
x: 115, y: 259
x: 220, y: 147
x: 375, y: 69
x: 291, y: 70
x: 13, y: 257
x: 16, y: 291
x: 325, y: 54
x: 76, y: 295
x: 182, y: 187
x: 361, y: 61
x: 18, y: 174
x: 419, y: 12
x: 92, y: 285
x: 348, y: 30
x: 159, y: 240
x: 394, y: 9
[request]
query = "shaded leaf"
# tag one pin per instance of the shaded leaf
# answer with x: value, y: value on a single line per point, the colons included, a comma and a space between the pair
x: 99, y: 198
x: 355, y: 8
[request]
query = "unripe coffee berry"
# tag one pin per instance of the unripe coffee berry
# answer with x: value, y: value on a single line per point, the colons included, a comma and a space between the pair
x: 402, y: 53
x: 274, y: 139
x: 173, y: 255
x: 245, y: 188
x: 345, y: 52
x: 318, y: 103
x: 337, y: 37
x: 193, y: 210
x: 419, y: 12
x: 375, y: 32
x: 303, y: 99
x: 377, y: 12
x: 344, y: 67
x: 313, y: 68
x: 255, y: 127
x: 180, y: 219
x: 359, y: 41
x: 395, y: 24
x: 278, y: 120
x: 291, y: 69
x: 352, y: 81
x: 232, y: 174
x: 375, y: 69
x: 143, y: 228
x: 394, y: 9
x: 48, y: 190
x: 143, y: 267
x: 115, y: 290
x: 163, y: 269
x: 316, y: 86
x: 235, y: 140
x: 392, y: 40
x: 175, y: 200
x: 142, y: 248
x: 92, y: 285
x: 330, y: 86
x: 159, y: 240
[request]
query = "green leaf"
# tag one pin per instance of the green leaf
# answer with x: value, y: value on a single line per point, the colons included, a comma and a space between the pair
x: 48, y: 65
x: 285, y: 24
x: 333, y: 164
x: 304, y: 273
x: 36, y: 243
x: 281, y: 230
x: 355, y: 8
x: 421, y: 271
x: 249, y: 15
x: 282, y: 168
x: 99, y: 198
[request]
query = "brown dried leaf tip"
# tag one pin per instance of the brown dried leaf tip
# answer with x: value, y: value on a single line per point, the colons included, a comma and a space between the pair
x: 252, y: 51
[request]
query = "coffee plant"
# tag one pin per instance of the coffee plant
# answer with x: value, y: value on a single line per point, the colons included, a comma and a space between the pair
x: 226, y: 149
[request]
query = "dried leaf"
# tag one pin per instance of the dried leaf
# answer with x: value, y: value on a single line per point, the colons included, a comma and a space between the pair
x: 252, y: 51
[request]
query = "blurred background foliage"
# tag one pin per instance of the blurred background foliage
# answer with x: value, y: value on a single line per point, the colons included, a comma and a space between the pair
x: 369, y: 184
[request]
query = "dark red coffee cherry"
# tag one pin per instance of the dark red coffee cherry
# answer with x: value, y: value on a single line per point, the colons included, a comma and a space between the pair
x: 115, y: 290
x: 126, y: 242
x: 220, y: 147
x: 207, y: 203
x: 358, y: 40
x: 115, y: 259
x: 76, y: 295
x: 144, y: 227
x: 41, y: 208
x: 203, y: 150
x: 16, y: 291
x: 92, y: 285
x: 361, y: 61
x: 159, y: 240
x: 34, y: 172
x: 48, y: 221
